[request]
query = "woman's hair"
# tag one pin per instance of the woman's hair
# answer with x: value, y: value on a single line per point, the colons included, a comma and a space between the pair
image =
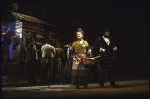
x: 80, y: 30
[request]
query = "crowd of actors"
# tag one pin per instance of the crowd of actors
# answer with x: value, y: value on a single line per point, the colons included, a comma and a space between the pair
x: 49, y: 65
x: 75, y: 65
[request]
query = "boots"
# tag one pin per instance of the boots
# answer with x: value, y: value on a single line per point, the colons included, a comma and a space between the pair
x: 85, y: 78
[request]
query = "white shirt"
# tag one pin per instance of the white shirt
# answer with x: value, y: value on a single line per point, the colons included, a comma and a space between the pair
x: 106, y: 40
x: 44, y: 49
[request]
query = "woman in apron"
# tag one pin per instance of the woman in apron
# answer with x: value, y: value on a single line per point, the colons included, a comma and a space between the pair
x: 80, y: 50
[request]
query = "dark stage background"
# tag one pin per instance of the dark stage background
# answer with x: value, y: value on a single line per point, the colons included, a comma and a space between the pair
x: 127, y: 21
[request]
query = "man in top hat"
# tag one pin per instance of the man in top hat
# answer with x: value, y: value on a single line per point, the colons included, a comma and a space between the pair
x: 48, y: 55
x: 105, y: 47
x: 31, y: 59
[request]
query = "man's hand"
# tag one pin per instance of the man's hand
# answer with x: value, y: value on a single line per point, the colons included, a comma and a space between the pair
x: 115, y: 48
x: 102, y: 50
x: 4, y: 33
x: 34, y: 47
x: 66, y: 45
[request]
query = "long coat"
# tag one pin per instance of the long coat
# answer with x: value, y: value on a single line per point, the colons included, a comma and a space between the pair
x: 107, y: 59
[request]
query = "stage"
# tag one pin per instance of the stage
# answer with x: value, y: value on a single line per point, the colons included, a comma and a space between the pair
x: 126, y: 89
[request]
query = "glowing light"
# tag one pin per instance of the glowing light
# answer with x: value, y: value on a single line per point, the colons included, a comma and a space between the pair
x: 83, y: 22
x: 82, y: 26
x: 120, y: 37
x: 50, y: 22
x: 72, y: 24
x: 73, y: 31
x: 96, y: 29
x: 92, y: 25
x: 88, y: 30
x: 60, y: 25
x: 116, y: 33
x: 61, y: 21
x: 99, y: 33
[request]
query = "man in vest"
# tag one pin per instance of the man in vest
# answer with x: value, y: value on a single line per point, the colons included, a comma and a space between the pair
x: 58, y: 65
x: 48, y: 54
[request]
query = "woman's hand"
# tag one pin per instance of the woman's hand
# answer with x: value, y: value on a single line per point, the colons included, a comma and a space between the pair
x: 83, y: 60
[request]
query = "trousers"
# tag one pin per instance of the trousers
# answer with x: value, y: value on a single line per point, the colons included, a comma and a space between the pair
x: 46, y: 69
x: 107, y: 68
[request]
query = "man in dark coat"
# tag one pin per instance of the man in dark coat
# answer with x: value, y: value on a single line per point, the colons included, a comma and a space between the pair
x: 105, y: 47
x: 31, y: 59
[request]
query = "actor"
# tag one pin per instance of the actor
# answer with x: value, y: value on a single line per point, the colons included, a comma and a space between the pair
x: 6, y: 41
x: 68, y: 66
x: 48, y: 55
x: 31, y: 59
x: 80, y: 48
x: 105, y: 47
x: 58, y: 68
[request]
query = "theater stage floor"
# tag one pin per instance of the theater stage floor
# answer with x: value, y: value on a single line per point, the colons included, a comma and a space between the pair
x: 127, y: 89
